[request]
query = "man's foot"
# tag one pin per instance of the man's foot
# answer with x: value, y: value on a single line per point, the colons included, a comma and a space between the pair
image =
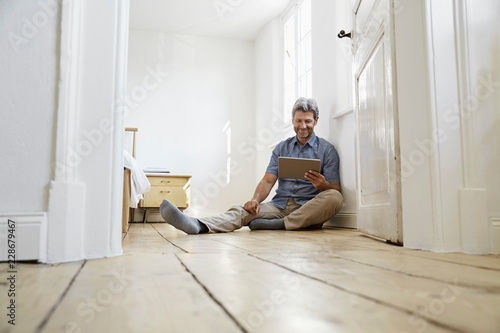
x: 176, y: 218
x: 267, y: 224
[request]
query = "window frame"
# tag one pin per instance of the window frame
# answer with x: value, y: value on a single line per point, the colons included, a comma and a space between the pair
x: 293, y: 11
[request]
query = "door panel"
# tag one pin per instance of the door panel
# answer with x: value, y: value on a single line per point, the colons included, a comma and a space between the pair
x: 372, y: 134
x: 378, y: 172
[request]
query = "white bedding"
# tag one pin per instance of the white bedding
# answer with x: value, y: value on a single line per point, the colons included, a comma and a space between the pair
x: 139, y: 183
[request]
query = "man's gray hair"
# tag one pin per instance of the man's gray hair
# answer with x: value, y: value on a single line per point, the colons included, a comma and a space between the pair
x: 306, y: 104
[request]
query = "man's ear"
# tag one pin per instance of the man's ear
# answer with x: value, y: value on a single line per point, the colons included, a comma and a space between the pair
x: 316, y: 121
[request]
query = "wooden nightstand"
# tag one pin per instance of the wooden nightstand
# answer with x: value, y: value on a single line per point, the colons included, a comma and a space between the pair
x: 174, y: 188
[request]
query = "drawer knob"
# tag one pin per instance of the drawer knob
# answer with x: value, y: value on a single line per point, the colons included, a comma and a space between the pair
x: 164, y: 191
x: 165, y: 181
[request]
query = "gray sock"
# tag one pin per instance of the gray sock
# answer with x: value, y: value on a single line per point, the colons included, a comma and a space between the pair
x: 176, y: 218
x: 267, y: 224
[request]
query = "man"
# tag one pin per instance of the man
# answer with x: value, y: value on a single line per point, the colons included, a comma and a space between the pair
x: 298, y: 204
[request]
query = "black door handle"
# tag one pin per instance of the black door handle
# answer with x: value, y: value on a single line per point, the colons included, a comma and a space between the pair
x: 342, y: 34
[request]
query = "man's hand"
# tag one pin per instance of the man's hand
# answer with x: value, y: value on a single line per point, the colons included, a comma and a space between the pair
x: 252, y: 206
x: 318, y: 180
x: 261, y: 193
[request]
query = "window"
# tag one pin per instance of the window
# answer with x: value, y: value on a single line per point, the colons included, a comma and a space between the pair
x: 297, y: 62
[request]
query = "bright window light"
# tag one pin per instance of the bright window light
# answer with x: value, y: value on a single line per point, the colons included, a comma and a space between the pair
x: 297, y: 59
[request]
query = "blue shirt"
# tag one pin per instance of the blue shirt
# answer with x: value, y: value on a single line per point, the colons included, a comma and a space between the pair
x: 298, y: 189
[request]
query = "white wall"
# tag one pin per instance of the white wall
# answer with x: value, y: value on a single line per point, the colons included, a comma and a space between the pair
x: 58, y: 92
x: 484, y: 117
x: 27, y: 104
x: 324, y: 63
x: 28, y: 92
x: 332, y: 86
x: 268, y: 114
x: 182, y: 92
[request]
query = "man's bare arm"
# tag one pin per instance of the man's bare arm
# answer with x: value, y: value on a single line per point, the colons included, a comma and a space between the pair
x: 261, y: 193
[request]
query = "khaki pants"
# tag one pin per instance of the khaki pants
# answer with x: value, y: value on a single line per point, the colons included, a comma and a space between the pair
x: 312, y: 214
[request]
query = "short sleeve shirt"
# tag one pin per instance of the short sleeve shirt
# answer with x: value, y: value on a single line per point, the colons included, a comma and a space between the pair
x: 298, y: 189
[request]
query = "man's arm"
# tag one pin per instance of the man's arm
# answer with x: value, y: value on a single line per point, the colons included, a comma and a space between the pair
x: 261, y: 193
x: 319, y: 181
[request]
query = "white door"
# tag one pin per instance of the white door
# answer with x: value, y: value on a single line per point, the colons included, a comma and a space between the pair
x: 378, y: 171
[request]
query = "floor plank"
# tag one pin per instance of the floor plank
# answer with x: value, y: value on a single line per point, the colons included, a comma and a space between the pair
x: 193, y: 243
x: 319, y: 239
x: 482, y: 261
x: 138, y: 293
x: 446, y: 303
x: 38, y: 290
x: 431, y: 265
x: 261, y: 281
x: 462, y: 275
x: 267, y: 298
x: 143, y: 238
x: 361, y: 240
x: 243, y: 241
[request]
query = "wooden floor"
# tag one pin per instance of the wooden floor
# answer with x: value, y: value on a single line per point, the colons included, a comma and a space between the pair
x: 329, y: 280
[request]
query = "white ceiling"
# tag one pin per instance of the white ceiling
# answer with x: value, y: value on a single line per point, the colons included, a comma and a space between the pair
x: 236, y: 19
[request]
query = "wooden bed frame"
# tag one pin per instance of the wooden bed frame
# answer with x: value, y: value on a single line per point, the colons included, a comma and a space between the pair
x: 127, y: 211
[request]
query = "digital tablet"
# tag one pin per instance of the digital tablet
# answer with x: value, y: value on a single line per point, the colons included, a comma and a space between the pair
x: 290, y: 167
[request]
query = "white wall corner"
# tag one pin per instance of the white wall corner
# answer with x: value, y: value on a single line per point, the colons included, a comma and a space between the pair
x: 29, y: 240
x: 474, y: 226
x: 122, y: 36
x: 495, y: 235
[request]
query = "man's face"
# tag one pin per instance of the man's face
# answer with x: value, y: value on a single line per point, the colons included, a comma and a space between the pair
x: 303, y: 124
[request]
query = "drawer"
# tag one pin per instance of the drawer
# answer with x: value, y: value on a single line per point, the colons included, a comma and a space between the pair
x: 168, y: 181
x: 174, y: 194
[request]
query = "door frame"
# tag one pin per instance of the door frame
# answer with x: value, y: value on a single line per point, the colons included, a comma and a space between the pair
x: 84, y: 223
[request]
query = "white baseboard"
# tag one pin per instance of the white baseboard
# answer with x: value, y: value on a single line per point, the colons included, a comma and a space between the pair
x: 30, y: 232
x: 343, y: 220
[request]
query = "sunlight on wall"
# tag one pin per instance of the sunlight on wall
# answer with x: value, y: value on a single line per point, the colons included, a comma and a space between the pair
x: 227, y: 130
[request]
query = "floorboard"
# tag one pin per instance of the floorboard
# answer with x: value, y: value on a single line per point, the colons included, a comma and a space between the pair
x: 142, y: 292
x: 482, y: 261
x: 444, y: 303
x: 193, y: 243
x: 264, y: 297
x: 143, y: 238
x: 481, y: 273
x: 462, y: 275
x: 38, y: 289
x: 328, y: 280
